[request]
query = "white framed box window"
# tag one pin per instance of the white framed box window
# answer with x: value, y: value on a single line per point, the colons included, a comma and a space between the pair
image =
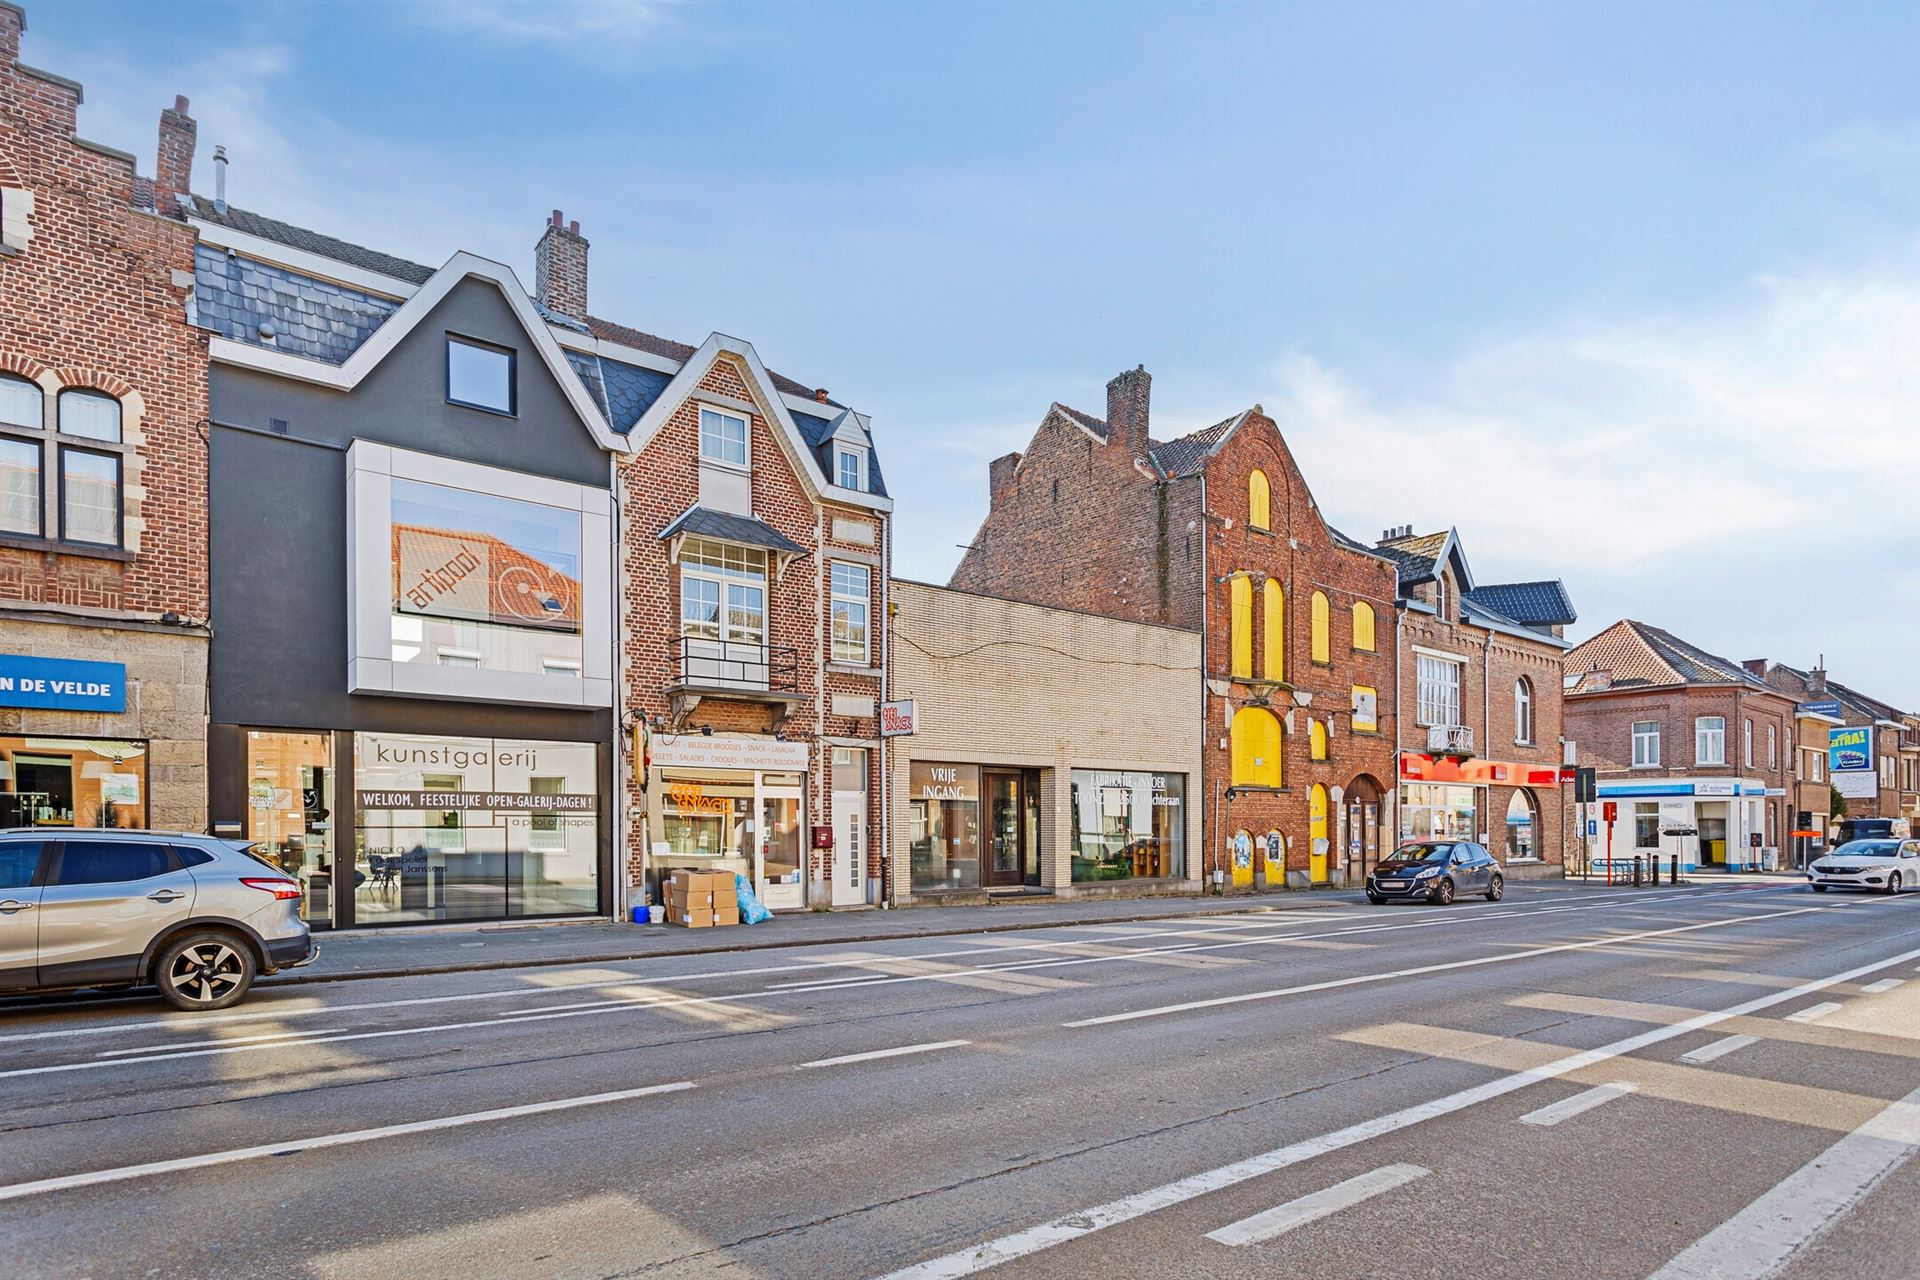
x: 723, y: 437
x: 1710, y: 740
x: 852, y: 595
x: 1438, y: 689
x: 1646, y: 744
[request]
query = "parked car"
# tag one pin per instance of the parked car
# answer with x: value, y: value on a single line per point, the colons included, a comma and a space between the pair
x: 196, y: 917
x: 1437, y: 871
x: 1884, y: 865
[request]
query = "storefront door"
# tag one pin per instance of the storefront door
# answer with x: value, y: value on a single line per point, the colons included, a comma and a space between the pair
x: 290, y: 803
x: 782, y: 852
x: 1006, y: 817
x: 848, y: 884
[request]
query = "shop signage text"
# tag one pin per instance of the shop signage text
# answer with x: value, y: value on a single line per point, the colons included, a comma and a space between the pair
x: 898, y: 719
x: 522, y: 801
x: 945, y: 782
x: 1415, y: 767
x: 445, y: 754
x: 697, y: 751
x: 1849, y: 749
x: 1716, y: 788
x: 1829, y: 707
x: 62, y: 684
x: 690, y: 801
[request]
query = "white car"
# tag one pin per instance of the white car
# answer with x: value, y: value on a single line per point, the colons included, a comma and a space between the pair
x: 1886, y: 866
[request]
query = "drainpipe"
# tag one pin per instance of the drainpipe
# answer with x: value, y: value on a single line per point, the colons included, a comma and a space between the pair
x: 622, y: 837
x: 889, y: 871
x: 1207, y: 854
x: 1486, y: 717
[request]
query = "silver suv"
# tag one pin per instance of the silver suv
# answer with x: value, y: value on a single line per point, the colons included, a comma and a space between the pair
x: 195, y: 916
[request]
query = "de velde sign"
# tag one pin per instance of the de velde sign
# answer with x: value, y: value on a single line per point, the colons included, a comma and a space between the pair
x: 62, y: 684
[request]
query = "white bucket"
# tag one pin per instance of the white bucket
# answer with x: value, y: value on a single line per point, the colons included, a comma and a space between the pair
x: 656, y: 915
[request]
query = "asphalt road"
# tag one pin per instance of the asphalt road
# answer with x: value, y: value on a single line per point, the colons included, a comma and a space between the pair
x: 1677, y: 1083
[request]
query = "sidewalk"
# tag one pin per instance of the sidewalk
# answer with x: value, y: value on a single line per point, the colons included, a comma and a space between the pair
x: 389, y: 953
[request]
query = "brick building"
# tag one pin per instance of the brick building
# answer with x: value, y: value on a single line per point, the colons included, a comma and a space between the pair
x: 1216, y: 531
x: 1889, y: 787
x: 1682, y: 740
x: 103, y: 567
x: 1024, y: 773
x: 1480, y: 734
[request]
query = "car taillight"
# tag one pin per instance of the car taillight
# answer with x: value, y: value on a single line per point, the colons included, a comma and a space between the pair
x: 278, y: 888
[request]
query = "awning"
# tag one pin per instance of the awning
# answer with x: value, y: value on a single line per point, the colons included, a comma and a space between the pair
x: 704, y: 522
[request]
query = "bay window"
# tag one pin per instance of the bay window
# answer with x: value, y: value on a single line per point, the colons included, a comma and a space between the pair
x: 1439, y: 690
x: 723, y: 613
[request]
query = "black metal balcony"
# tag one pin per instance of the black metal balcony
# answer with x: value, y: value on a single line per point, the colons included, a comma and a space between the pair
x: 730, y: 669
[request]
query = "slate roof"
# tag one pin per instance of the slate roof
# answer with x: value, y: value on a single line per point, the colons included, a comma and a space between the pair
x: 1860, y: 703
x: 1533, y: 604
x: 1087, y: 420
x: 1184, y: 455
x: 237, y: 297
x: 1415, y: 556
x: 293, y: 237
x: 705, y: 522
x: 1637, y: 654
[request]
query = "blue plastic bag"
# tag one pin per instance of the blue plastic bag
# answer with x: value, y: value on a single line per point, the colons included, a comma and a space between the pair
x: 751, y: 909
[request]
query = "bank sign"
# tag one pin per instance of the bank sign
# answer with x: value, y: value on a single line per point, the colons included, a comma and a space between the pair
x: 62, y: 684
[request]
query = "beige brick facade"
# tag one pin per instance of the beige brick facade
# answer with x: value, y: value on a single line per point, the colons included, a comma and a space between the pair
x: 1003, y: 683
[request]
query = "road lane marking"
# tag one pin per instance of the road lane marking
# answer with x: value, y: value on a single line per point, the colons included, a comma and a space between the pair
x: 125, y: 1173
x: 1718, y: 1049
x: 1885, y: 984
x: 1361, y: 979
x: 1321, y: 1204
x: 1567, y: 1108
x: 1815, y: 1012
x: 1073, y: 1226
x: 1764, y: 1236
x: 205, y: 1044
x: 846, y: 1058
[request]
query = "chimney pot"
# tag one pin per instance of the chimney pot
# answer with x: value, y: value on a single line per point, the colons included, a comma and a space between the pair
x: 220, y: 179
x: 1129, y: 404
x: 820, y: 394
x: 556, y: 218
x: 180, y: 103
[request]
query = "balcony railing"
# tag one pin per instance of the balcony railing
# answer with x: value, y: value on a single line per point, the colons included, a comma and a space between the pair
x: 730, y: 664
x: 1450, y: 739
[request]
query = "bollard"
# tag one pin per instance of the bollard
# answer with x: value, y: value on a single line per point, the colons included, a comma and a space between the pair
x: 1673, y: 872
x: 1637, y: 882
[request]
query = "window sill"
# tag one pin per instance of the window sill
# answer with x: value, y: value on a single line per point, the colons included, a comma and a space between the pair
x: 53, y: 546
x: 482, y: 408
x: 854, y: 669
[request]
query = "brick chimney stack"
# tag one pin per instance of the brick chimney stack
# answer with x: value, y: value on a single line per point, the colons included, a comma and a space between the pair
x: 1000, y: 477
x: 560, y: 268
x: 1819, y: 674
x: 12, y: 22
x: 1128, y: 400
x: 173, y: 167
x: 1756, y: 667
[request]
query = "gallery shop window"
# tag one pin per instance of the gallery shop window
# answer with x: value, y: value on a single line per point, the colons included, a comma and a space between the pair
x: 1430, y: 811
x: 1259, y: 500
x: 1273, y: 631
x: 1257, y: 742
x: 480, y: 376
x: 457, y: 828
x: 723, y: 437
x: 290, y: 811
x: 1438, y: 689
x: 1523, y: 711
x: 1646, y: 744
x: 1363, y: 626
x: 483, y: 581
x: 72, y: 782
x: 1521, y: 827
x: 943, y: 825
x: 1710, y: 740
x: 1240, y: 598
x: 1128, y: 826
x: 1322, y: 628
x: 852, y: 592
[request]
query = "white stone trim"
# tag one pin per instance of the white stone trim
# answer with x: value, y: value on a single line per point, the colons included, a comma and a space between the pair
x: 272, y: 252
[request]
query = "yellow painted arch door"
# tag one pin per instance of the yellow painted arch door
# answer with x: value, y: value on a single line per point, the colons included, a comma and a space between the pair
x: 1317, y: 833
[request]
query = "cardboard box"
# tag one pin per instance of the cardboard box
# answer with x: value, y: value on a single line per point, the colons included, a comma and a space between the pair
x: 692, y: 919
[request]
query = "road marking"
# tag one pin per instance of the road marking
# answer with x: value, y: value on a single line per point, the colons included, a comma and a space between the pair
x: 877, y: 1054
x: 125, y: 1173
x: 1718, y: 1049
x: 1814, y: 1012
x: 204, y: 1044
x: 1362, y: 979
x: 1885, y: 984
x: 1762, y: 1237
x: 1567, y: 1108
x: 1321, y: 1204
x: 1073, y: 1226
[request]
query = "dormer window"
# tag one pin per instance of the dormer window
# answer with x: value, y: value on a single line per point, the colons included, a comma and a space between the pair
x: 847, y: 468
x: 479, y: 376
x: 723, y: 438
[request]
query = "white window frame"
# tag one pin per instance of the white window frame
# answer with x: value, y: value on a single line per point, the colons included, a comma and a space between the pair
x: 1710, y: 731
x: 1435, y: 696
x: 726, y: 583
x: 559, y: 667
x: 1523, y: 712
x: 1773, y: 746
x: 843, y: 454
x: 849, y: 600
x: 745, y: 461
x: 465, y: 659
x: 1650, y: 758
x: 1746, y: 743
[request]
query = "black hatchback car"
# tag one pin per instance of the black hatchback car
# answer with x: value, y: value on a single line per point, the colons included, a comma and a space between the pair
x: 1436, y: 871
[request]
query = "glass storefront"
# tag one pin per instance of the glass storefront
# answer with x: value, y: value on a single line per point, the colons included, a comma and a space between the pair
x: 457, y: 828
x: 1433, y: 811
x: 749, y: 823
x: 944, y: 826
x: 72, y: 782
x: 1128, y: 826
x: 1521, y: 839
x: 290, y: 804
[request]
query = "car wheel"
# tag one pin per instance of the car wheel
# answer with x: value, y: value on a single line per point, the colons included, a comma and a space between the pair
x: 204, y: 971
x: 1443, y: 892
x: 1893, y: 883
x: 1497, y: 890
x: 1819, y: 888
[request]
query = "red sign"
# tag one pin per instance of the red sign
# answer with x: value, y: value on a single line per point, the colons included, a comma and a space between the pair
x: 1423, y: 768
x: 1609, y: 810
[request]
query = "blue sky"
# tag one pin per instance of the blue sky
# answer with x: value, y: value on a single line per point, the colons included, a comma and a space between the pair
x: 1629, y: 294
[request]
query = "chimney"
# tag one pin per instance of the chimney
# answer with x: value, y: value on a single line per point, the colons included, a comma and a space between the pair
x: 173, y: 167
x: 219, y: 179
x: 1756, y: 667
x: 1819, y: 674
x: 820, y: 395
x: 1128, y: 397
x: 1000, y: 477
x: 12, y: 22
x: 560, y: 269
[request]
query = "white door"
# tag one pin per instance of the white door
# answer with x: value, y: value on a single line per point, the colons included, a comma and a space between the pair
x: 849, y: 877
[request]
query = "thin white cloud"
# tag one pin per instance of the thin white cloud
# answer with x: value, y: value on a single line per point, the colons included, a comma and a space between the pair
x: 588, y: 26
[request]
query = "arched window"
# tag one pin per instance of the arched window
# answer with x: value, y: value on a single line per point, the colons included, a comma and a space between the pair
x: 1317, y: 739
x: 1363, y: 626
x: 1259, y: 500
x: 1256, y: 748
x: 92, y: 414
x: 90, y: 478
x: 1240, y: 593
x: 1520, y: 826
x: 1440, y: 598
x: 1273, y: 635
x: 1318, y: 846
x: 21, y: 405
x: 1523, y: 710
x: 1322, y: 645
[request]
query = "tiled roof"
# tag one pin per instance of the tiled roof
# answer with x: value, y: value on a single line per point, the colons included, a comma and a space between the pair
x: 1415, y: 555
x: 293, y: 237
x: 1087, y: 420
x: 1534, y: 604
x: 1183, y: 455
x: 1859, y: 703
x: 1635, y: 653
x: 238, y: 298
x: 678, y: 352
x: 708, y: 523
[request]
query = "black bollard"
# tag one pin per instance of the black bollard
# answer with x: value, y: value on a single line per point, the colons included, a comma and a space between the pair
x: 1637, y: 882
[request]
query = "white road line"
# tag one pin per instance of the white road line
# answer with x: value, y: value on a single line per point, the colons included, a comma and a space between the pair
x: 206, y: 1044
x: 1885, y: 984
x: 1362, y: 979
x: 1321, y: 1204
x: 1760, y: 1239
x: 1073, y: 1226
x: 877, y: 1054
x: 1567, y: 1108
x: 126, y: 1173
x: 1718, y: 1049
x: 1814, y: 1012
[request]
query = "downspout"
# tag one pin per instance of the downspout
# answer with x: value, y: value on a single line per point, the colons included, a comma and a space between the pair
x: 621, y: 858
x: 1486, y: 720
x: 1206, y: 721
x: 890, y: 884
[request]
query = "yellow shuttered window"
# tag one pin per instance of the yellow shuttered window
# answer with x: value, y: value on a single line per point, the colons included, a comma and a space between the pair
x: 1317, y: 739
x: 1322, y: 646
x: 1363, y: 626
x: 1273, y: 633
x: 1256, y: 748
x: 1259, y: 500
x: 1241, y: 589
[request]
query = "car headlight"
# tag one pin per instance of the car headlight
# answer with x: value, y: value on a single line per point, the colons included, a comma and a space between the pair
x: 1428, y: 874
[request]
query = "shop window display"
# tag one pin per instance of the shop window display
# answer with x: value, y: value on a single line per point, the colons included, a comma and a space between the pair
x: 944, y: 826
x: 1128, y: 826
x: 72, y: 782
